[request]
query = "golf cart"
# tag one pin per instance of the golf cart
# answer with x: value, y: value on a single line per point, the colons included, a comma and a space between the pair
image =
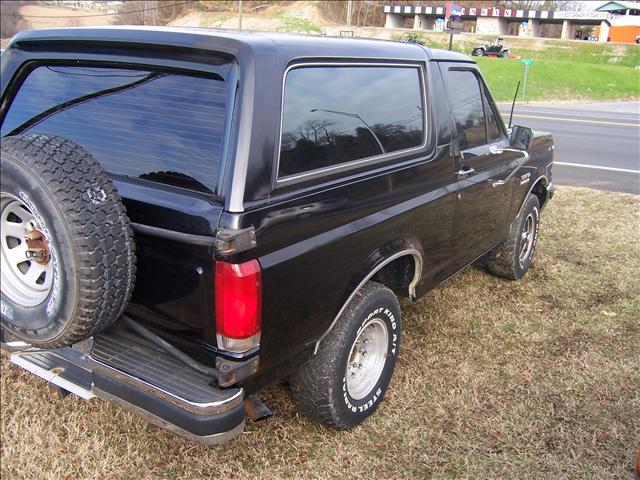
x: 496, y: 48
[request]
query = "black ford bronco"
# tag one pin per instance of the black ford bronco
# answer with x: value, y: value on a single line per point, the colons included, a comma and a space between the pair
x: 188, y: 215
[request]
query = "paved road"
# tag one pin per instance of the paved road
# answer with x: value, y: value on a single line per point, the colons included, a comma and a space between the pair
x: 597, y: 144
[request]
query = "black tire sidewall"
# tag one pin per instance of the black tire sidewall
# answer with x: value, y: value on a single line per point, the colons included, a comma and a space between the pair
x: 42, y: 322
x: 531, y: 207
x: 382, y: 306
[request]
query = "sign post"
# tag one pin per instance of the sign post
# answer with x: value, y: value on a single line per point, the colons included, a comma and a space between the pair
x: 454, y: 21
x: 526, y: 72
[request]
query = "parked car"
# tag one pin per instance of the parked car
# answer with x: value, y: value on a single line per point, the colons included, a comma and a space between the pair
x: 497, y: 48
x: 189, y: 215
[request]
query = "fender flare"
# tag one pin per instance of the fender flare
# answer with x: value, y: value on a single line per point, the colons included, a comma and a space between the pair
x: 545, y: 182
x: 410, y: 250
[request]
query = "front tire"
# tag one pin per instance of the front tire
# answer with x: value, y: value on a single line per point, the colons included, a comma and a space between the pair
x: 477, y: 52
x: 512, y: 258
x: 346, y: 380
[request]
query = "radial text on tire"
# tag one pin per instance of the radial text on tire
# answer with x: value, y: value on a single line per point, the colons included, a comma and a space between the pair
x: 346, y: 380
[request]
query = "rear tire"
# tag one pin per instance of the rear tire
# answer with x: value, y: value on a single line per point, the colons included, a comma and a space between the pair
x: 512, y: 258
x: 346, y: 380
x: 84, y: 275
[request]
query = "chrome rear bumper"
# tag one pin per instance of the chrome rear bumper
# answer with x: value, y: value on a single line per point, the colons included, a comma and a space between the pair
x: 127, y: 370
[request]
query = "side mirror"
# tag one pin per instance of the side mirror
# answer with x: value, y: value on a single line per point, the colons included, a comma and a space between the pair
x: 520, y: 137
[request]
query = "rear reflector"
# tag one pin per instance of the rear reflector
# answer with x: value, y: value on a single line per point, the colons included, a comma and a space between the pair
x: 238, y: 305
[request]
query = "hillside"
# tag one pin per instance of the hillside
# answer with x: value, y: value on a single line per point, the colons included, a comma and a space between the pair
x: 302, y: 17
x: 40, y: 16
x: 562, y: 70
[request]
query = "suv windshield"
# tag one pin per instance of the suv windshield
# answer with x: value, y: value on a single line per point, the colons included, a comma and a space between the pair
x: 161, y: 126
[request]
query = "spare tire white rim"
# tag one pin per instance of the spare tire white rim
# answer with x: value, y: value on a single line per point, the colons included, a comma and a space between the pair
x: 367, y: 359
x: 25, y: 282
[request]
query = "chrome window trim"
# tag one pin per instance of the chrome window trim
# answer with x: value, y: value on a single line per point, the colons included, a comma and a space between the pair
x: 417, y: 274
x: 319, y: 172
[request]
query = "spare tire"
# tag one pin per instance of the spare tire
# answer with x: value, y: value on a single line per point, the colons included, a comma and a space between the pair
x: 68, y: 255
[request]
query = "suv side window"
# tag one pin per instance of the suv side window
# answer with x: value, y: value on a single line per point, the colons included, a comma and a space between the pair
x: 334, y: 115
x: 161, y: 126
x: 468, y: 108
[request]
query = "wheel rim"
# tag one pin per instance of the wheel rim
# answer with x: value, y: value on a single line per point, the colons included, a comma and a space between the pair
x: 526, y: 238
x: 367, y: 359
x: 27, y: 282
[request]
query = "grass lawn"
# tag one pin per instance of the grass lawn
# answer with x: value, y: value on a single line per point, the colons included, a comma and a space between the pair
x: 560, y: 80
x: 496, y: 379
x: 562, y: 70
x: 621, y: 54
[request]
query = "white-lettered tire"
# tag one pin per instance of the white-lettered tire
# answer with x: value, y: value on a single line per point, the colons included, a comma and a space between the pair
x: 512, y: 258
x: 346, y: 380
x: 68, y: 256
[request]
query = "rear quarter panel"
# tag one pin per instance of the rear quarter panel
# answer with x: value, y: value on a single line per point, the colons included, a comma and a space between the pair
x: 317, y: 241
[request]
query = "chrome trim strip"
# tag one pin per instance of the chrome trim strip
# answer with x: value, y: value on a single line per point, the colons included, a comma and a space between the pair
x: 193, y: 407
x: 159, y: 422
x: 238, y: 346
x: 243, y: 141
x: 51, y: 377
x: 350, y: 165
x: 538, y: 180
x: 13, y: 347
x: 417, y: 274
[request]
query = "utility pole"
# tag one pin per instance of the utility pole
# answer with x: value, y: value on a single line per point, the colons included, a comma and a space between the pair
x: 240, y: 14
x: 349, y: 12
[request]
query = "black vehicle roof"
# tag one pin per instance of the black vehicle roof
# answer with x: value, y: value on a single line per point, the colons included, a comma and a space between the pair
x: 241, y: 42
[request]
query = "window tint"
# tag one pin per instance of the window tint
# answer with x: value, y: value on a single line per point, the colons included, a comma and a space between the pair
x: 334, y: 115
x: 492, y: 122
x: 467, y: 108
x: 160, y: 126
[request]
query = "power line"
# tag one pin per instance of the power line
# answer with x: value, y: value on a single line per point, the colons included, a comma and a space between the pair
x: 97, y: 14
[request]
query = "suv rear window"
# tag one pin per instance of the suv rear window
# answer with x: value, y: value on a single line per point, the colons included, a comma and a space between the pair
x: 333, y: 115
x: 161, y: 126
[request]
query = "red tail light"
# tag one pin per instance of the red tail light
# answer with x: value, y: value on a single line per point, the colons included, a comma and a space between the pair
x: 238, y: 305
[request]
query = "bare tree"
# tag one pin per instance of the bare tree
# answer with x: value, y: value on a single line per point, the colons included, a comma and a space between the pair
x: 11, y: 21
x: 151, y: 12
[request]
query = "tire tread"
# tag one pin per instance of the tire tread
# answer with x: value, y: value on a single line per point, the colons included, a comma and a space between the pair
x: 100, y: 231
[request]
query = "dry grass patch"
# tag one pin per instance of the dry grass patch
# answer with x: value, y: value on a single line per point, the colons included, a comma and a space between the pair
x: 496, y: 379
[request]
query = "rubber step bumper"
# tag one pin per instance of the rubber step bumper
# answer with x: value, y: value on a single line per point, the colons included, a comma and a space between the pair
x: 127, y: 370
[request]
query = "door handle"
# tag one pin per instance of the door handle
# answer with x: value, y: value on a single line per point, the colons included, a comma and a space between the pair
x: 465, y: 172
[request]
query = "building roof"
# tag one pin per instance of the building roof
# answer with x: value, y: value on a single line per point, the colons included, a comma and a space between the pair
x: 241, y: 42
x: 618, y: 6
